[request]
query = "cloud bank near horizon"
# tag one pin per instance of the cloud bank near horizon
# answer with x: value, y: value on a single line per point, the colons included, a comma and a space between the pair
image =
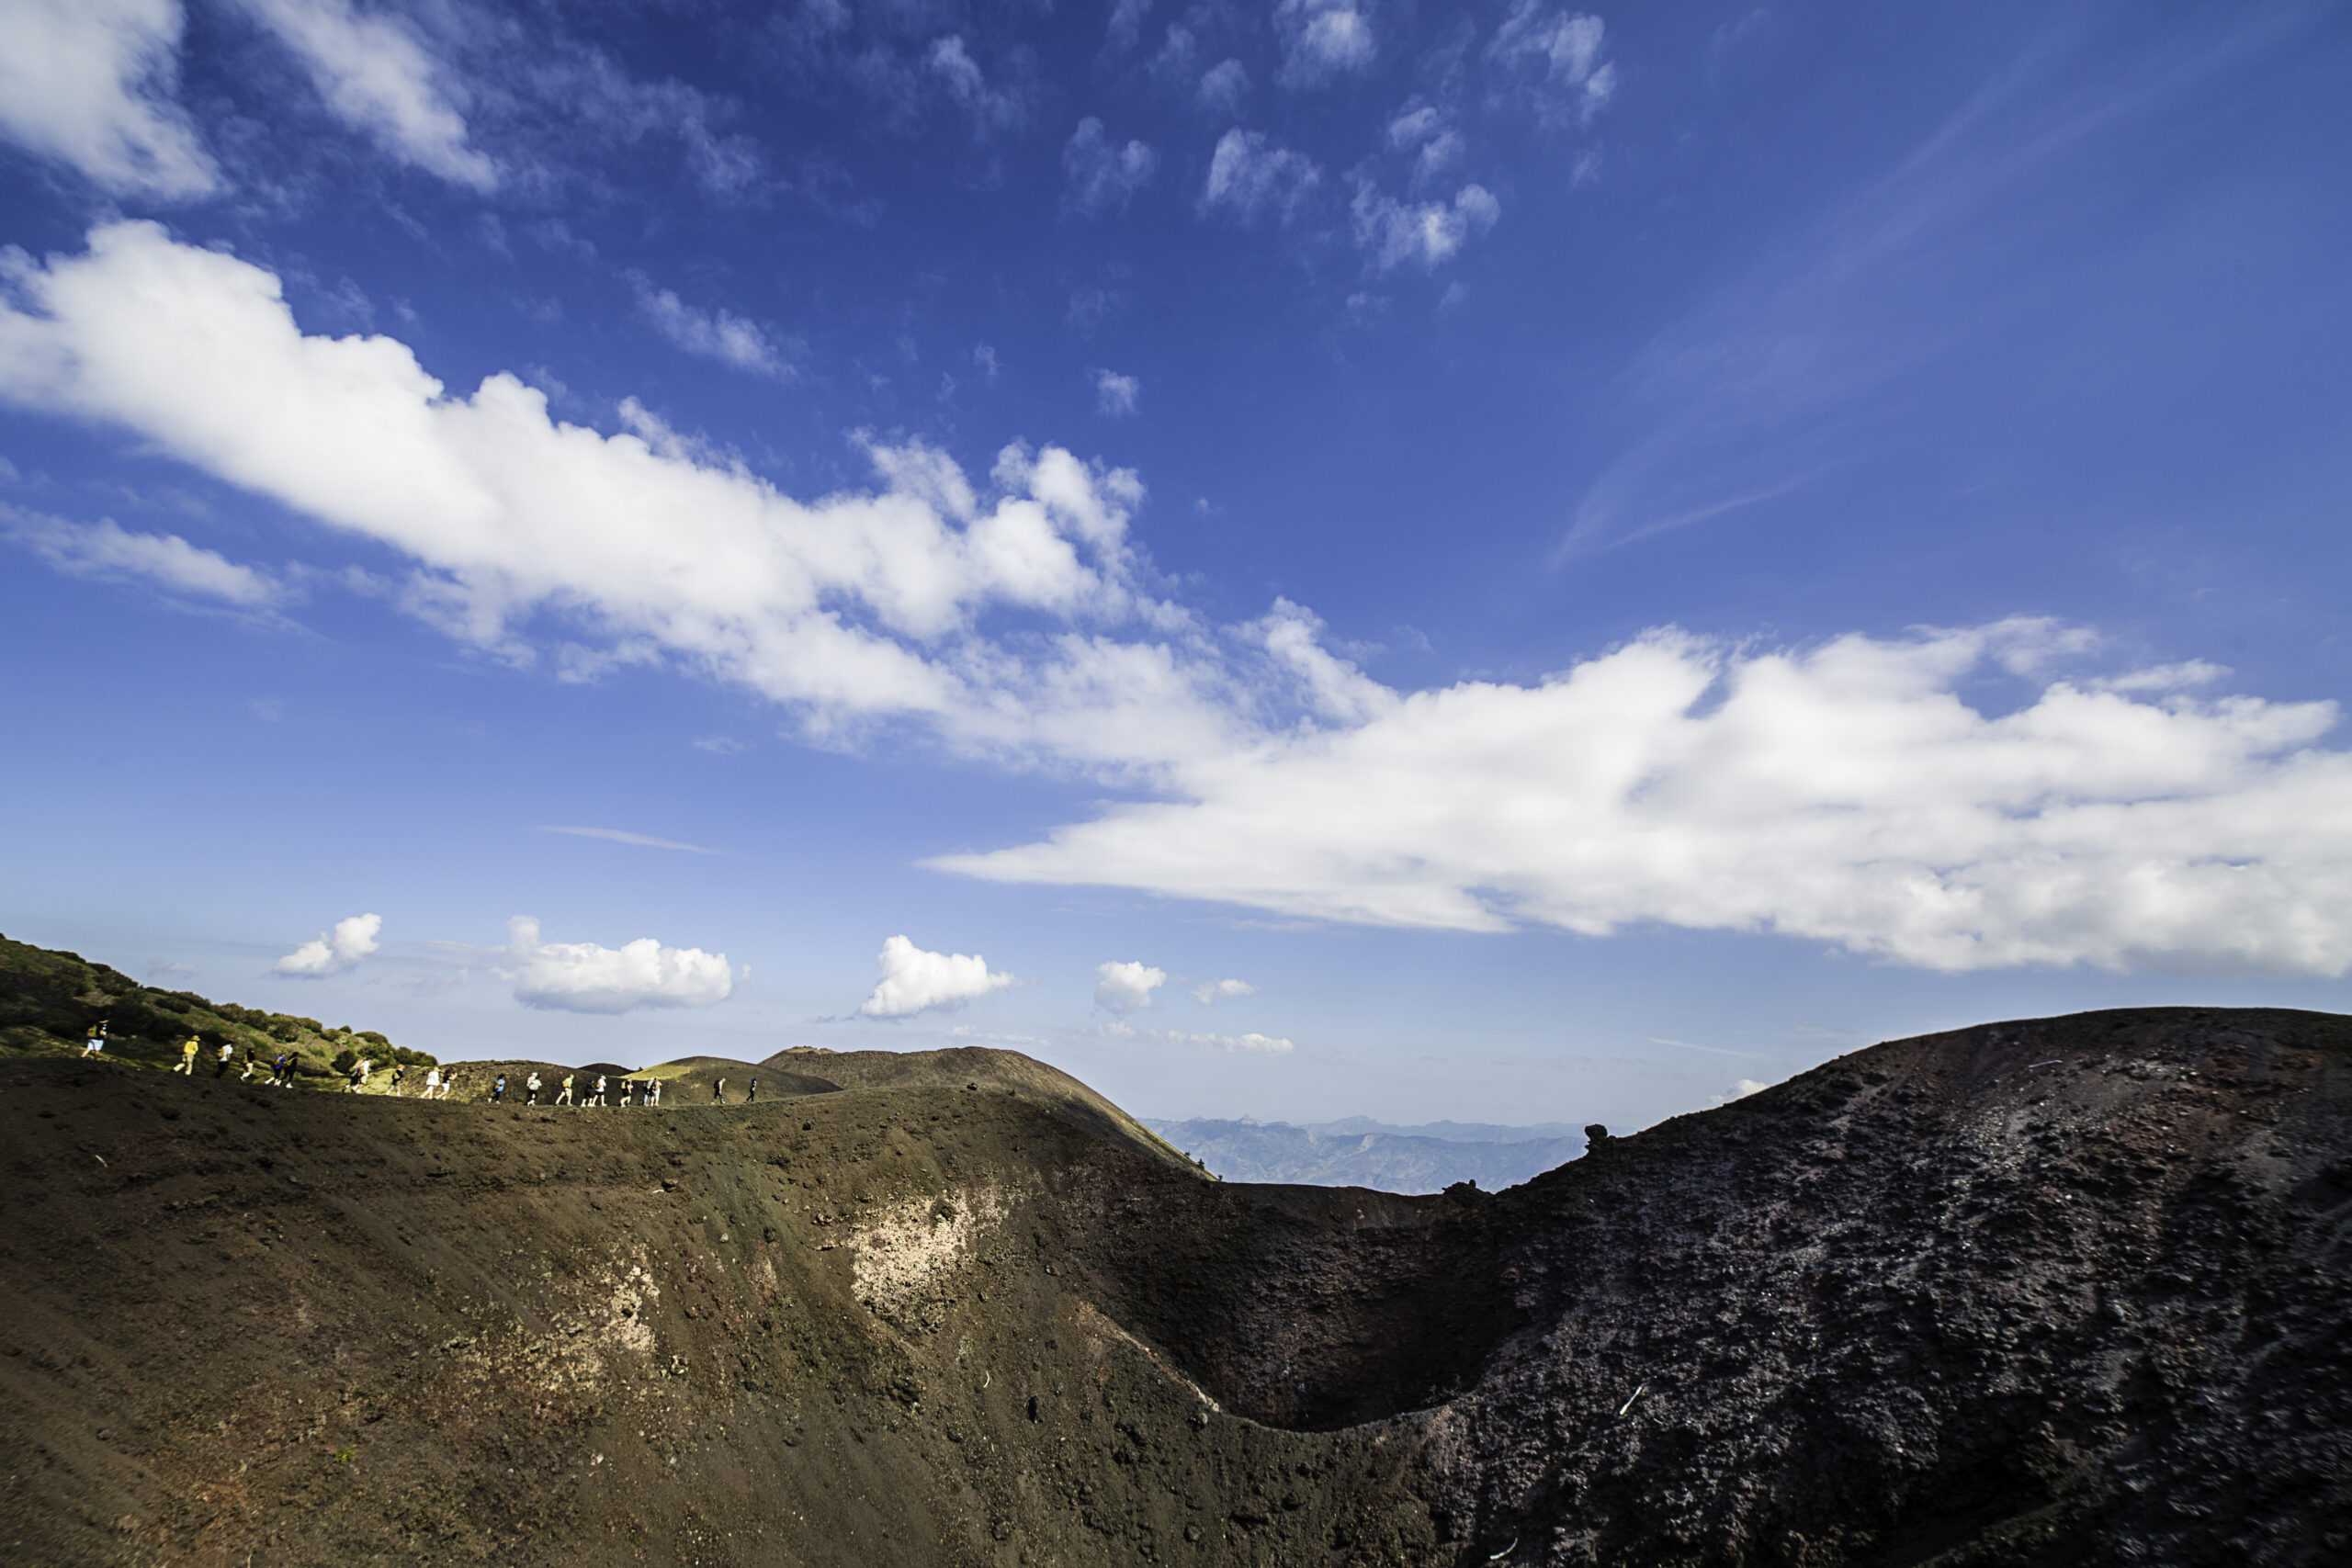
x: 1858, y: 793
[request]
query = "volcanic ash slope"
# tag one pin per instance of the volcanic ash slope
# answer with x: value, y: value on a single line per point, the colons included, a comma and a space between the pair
x: 2064, y: 1292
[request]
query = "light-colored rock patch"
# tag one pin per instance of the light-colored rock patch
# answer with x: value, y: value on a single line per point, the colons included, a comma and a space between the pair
x: 906, y: 1245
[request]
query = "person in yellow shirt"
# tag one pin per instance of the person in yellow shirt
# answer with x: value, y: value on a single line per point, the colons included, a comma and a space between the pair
x: 188, y: 1056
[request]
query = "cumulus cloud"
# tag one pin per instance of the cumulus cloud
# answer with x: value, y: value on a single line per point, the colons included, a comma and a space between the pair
x: 106, y: 551
x: 858, y: 609
x: 915, y: 981
x: 1556, y: 54
x: 378, y: 78
x: 1101, y: 176
x: 88, y: 84
x: 1116, y: 396
x: 1223, y: 88
x: 1845, y: 793
x: 1852, y: 794
x: 581, y: 976
x: 1398, y: 234
x: 1252, y: 1045
x: 1253, y: 178
x: 993, y: 106
x: 333, y: 952
x: 1125, y: 26
x: 1125, y: 987
x: 1423, y: 132
x: 1321, y: 40
x: 1209, y: 991
x: 721, y: 334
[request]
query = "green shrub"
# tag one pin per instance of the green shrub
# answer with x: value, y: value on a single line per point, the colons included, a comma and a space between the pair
x: 346, y: 1059
x: 375, y: 1039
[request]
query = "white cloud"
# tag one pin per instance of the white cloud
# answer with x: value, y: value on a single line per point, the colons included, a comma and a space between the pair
x: 1394, y: 233
x: 1252, y: 177
x: 580, y: 976
x: 915, y: 981
x: 856, y: 609
x: 1845, y: 795
x: 1100, y: 175
x: 1422, y: 130
x: 1125, y: 26
x: 1321, y: 39
x: 1125, y: 987
x: 376, y: 76
x: 1223, y: 88
x: 1116, y: 396
x: 88, y: 84
x: 105, y: 550
x: 616, y: 836
x: 1739, y: 1090
x: 992, y: 108
x: 1209, y: 991
x: 1252, y: 1045
x: 334, y: 951
x: 721, y: 335
x: 1558, y: 55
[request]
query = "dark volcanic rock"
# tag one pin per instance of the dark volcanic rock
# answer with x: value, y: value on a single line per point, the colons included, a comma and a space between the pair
x: 2064, y: 1292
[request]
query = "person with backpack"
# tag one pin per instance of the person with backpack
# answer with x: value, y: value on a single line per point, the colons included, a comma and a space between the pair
x: 753, y: 1096
x: 498, y: 1089
x: 227, y: 1051
x: 531, y: 1089
x: 718, y: 1093
x: 565, y: 1098
x: 188, y: 1056
x: 98, y: 1040
x: 598, y: 1098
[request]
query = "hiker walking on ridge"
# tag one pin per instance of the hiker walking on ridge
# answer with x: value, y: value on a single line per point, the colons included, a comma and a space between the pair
x: 655, y: 1092
x: 432, y: 1082
x: 718, y: 1093
x: 281, y: 1071
x: 755, y: 1094
x: 98, y: 1040
x: 598, y: 1098
x: 188, y: 1056
x: 531, y: 1089
x: 498, y: 1089
x: 227, y: 1051
x: 565, y: 1098
x: 251, y: 1062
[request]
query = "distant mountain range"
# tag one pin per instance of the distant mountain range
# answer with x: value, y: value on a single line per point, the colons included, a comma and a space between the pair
x: 1361, y: 1152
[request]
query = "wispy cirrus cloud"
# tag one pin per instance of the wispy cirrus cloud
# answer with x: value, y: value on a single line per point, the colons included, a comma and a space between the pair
x: 110, y: 552
x: 722, y: 335
x: 615, y: 836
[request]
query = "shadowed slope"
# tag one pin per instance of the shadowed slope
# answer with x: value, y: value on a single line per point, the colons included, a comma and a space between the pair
x: 2062, y: 1292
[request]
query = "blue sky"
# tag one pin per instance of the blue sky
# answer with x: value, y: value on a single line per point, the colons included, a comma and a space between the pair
x: 1499, y: 561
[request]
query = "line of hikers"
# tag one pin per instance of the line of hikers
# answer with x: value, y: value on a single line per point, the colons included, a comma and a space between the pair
x: 438, y: 1081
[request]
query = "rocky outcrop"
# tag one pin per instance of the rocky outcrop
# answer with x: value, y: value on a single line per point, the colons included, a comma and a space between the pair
x: 2064, y: 1292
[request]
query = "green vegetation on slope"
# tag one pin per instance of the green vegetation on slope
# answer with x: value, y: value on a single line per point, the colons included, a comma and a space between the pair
x: 50, y: 1000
